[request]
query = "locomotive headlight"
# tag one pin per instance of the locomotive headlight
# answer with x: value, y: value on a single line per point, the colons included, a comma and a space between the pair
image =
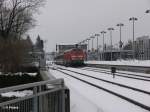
x: 79, y: 57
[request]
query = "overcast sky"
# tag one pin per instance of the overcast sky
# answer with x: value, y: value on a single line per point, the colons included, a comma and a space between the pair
x: 71, y: 21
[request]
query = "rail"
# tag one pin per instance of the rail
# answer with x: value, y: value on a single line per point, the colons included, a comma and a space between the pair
x: 45, y: 96
x: 141, y: 69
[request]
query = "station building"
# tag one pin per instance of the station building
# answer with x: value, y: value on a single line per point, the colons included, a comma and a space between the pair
x: 142, y: 48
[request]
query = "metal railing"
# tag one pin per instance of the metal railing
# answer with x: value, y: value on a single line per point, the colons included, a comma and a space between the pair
x: 47, y: 96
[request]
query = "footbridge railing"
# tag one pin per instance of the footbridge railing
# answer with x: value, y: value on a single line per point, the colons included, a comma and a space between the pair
x: 45, y: 96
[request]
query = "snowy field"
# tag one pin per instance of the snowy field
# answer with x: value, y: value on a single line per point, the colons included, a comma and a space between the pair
x: 85, y: 98
x: 123, y: 62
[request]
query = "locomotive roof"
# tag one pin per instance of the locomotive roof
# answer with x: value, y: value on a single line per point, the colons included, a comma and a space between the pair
x: 61, y: 54
x: 71, y: 49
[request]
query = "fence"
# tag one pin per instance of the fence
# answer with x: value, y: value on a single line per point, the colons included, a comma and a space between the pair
x: 46, y: 96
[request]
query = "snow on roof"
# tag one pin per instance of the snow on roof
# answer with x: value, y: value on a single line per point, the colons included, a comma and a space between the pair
x: 20, y: 74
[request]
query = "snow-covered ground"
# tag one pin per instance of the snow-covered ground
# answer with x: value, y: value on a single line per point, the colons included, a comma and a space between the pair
x: 20, y: 74
x: 78, y: 101
x: 123, y: 91
x: 123, y: 62
x: 18, y: 93
x: 124, y: 73
x: 85, y: 98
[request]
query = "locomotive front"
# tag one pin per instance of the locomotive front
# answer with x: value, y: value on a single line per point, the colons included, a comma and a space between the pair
x: 75, y: 57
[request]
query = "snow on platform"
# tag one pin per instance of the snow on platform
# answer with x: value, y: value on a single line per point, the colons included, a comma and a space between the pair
x: 85, y: 98
x: 145, y: 63
x: 78, y: 102
x: 119, y: 71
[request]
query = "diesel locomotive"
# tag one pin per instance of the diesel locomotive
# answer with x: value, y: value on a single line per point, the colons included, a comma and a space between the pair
x: 72, y: 57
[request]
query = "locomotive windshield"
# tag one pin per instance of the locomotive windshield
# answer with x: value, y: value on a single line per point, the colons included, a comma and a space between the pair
x: 77, y: 50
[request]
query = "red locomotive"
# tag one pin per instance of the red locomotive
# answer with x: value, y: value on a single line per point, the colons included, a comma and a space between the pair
x: 72, y: 57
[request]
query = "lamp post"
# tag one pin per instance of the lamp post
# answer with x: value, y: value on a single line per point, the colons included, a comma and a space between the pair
x: 97, y: 35
x: 111, y: 29
x: 92, y: 37
x: 120, y: 25
x: 88, y: 40
x: 147, y: 11
x: 103, y: 33
x: 133, y: 19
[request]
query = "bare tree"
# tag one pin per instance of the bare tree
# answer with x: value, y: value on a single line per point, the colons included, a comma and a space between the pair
x: 16, y: 18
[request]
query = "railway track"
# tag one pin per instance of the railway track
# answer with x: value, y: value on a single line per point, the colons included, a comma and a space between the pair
x: 110, y: 82
x: 139, y: 104
x: 119, y: 74
x: 141, y: 69
x: 129, y: 74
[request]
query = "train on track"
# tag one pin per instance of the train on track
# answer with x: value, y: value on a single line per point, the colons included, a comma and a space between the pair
x: 72, y: 57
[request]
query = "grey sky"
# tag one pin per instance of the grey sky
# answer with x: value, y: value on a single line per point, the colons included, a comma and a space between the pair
x: 70, y: 21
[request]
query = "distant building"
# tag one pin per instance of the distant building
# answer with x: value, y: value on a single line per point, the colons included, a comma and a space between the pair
x: 35, y: 54
x: 39, y: 43
x: 50, y: 56
x: 142, y: 48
